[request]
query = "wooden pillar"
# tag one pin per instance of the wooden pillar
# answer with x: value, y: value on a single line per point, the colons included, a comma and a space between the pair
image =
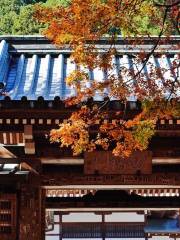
x: 30, y: 218
x: 103, y: 227
x: 42, y: 199
x: 145, y: 222
x: 60, y: 227
x: 145, y: 217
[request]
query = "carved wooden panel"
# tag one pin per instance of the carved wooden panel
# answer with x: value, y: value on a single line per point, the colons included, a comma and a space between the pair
x: 163, y: 179
x: 8, y: 216
x: 104, y: 162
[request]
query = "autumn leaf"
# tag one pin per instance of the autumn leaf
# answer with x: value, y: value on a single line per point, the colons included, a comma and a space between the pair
x: 80, y: 26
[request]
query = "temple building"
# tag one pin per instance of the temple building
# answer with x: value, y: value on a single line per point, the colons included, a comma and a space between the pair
x: 45, y: 192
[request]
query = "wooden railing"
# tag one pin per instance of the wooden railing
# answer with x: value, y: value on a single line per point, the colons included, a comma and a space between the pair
x: 100, y: 230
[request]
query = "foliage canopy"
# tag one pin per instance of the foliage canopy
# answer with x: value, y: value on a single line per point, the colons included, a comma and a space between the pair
x: 80, y: 25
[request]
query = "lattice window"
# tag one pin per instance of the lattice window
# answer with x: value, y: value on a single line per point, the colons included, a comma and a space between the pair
x: 7, y: 216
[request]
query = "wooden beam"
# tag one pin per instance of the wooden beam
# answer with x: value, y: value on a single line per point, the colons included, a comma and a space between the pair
x: 28, y: 132
x: 162, y: 161
x: 63, y: 161
x: 108, y: 209
x: 80, y: 161
x: 29, y: 148
x: 9, y: 160
x: 25, y: 166
x: 110, y: 187
x: 29, y: 142
x: 5, y: 153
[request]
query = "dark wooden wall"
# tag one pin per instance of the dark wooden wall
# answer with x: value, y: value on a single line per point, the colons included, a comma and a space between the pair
x: 31, y: 216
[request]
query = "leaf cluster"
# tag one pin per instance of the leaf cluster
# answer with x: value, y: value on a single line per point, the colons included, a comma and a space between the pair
x: 121, y: 137
x: 80, y: 25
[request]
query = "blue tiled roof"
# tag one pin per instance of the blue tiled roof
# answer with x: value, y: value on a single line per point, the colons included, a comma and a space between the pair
x: 33, y: 74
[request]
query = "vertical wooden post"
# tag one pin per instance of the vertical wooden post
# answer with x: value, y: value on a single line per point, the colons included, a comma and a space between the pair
x: 42, y: 212
x: 145, y: 222
x: 60, y: 227
x: 103, y: 226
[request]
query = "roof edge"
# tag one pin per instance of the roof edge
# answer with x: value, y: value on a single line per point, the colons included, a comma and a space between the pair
x: 119, y: 38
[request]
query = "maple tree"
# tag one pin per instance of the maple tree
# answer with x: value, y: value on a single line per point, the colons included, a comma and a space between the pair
x: 80, y: 25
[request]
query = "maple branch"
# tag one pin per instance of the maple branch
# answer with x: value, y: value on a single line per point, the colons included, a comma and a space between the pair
x: 167, y: 5
x: 153, y: 49
x: 176, y: 80
x: 176, y: 22
x: 144, y: 62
